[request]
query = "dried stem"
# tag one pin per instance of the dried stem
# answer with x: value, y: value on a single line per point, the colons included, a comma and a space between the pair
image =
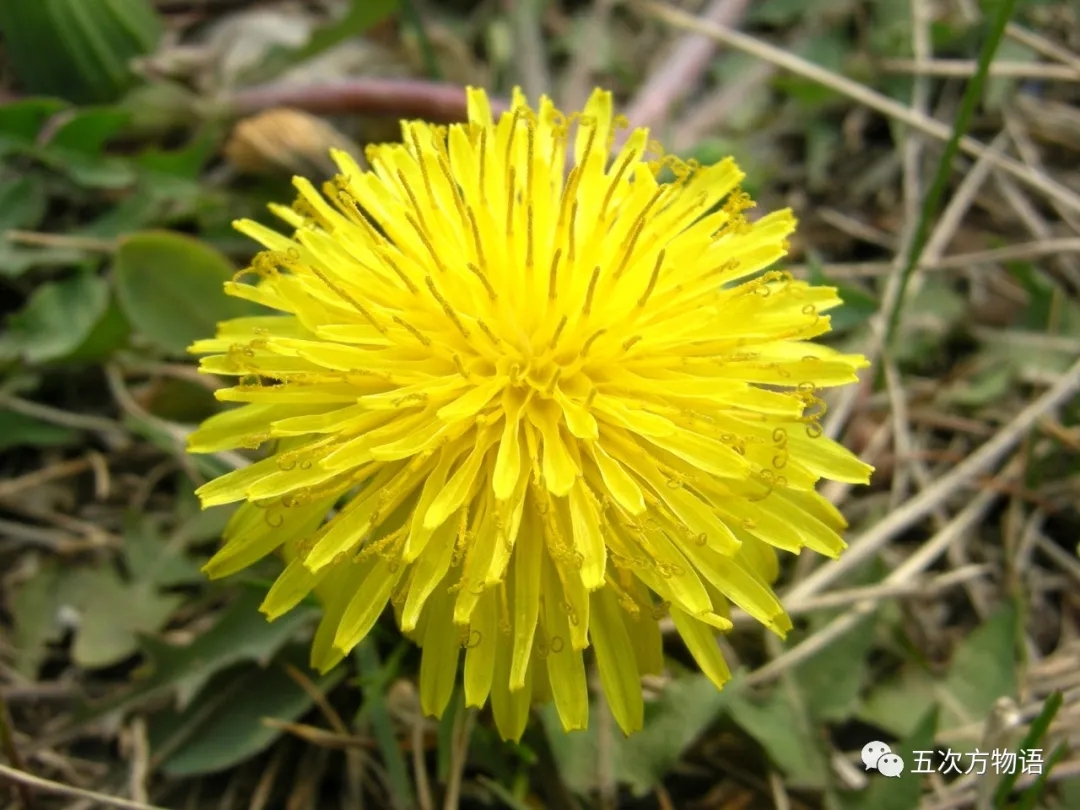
x: 435, y: 101
x: 60, y: 789
x: 858, y: 93
x: 679, y: 74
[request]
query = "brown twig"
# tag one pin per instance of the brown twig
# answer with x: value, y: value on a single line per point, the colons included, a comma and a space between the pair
x: 437, y: 101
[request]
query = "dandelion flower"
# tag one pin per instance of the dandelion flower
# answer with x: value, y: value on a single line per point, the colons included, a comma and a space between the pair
x: 534, y: 411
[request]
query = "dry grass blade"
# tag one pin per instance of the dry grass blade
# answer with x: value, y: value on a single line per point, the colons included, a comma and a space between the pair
x: 59, y: 789
x: 873, y: 540
x: 914, y: 565
x: 966, y: 68
x: 859, y: 93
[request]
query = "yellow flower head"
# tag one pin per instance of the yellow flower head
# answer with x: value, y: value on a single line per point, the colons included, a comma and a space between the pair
x: 533, y: 411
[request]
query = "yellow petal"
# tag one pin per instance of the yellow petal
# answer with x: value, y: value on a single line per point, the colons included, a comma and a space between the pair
x: 481, y: 649
x: 438, y: 663
x: 525, y: 573
x: 701, y: 643
x: 565, y: 666
x: 372, y: 592
x: 616, y: 661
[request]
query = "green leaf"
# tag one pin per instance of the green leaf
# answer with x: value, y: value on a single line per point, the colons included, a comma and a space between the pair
x: 990, y: 384
x: 77, y: 148
x: 20, y: 121
x: 225, y: 725
x: 16, y: 259
x: 22, y: 204
x: 113, y: 613
x: 33, y: 606
x: 832, y: 679
x: 57, y: 319
x: 108, y: 612
x: 241, y: 634
x: 903, y: 792
x: 89, y: 129
x: 685, y: 708
x: 783, y: 730
x: 153, y: 558
x: 109, y: 334
x: 20, y: 430
x: 983, y: 669
x: 170, y: 287
x: 79, y: 49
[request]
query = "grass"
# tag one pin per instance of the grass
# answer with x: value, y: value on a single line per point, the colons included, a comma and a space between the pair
x: 946, y: 218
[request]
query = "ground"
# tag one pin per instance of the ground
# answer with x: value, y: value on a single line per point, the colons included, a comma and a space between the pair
x: 929, y: 150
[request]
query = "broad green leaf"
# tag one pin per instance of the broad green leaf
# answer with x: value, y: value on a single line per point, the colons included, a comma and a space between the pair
x: 241, y: 634
x: 783, y: 730
x: 225, y: 725
x: 574, y: 752
x: 34, y: 604
x: 21, y: 120
x: 153, y: 558
x: 1068, y: 792
x: 988, y: 385
x: 832, y: 679
x: 108, y: 613
x: 185, y: 163
x: 903, y: 792
x: 57, y: 319
x: 22, y: 205
x: 109, y: 334
x: 673, y: 722
x: 112, y: 614
x: 888, y: 705
x: 78, y: 49
x: 20, y: 430
x: 77, y: 148
x: 686, y: 707
x: 89, y: 130
x: 16, y: 259
x: 983, y: 669
x: 170, y: 287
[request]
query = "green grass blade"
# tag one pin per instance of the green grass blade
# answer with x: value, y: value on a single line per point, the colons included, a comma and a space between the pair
x: 1032, y: 795
x: 1036, y: 732
x: 374, y: 679
x: 932, y: 203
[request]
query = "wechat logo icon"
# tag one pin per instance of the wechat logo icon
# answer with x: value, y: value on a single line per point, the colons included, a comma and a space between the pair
x: 879, y: 757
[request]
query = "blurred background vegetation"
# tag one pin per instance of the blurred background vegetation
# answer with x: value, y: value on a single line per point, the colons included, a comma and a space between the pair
x: 132, y: 132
